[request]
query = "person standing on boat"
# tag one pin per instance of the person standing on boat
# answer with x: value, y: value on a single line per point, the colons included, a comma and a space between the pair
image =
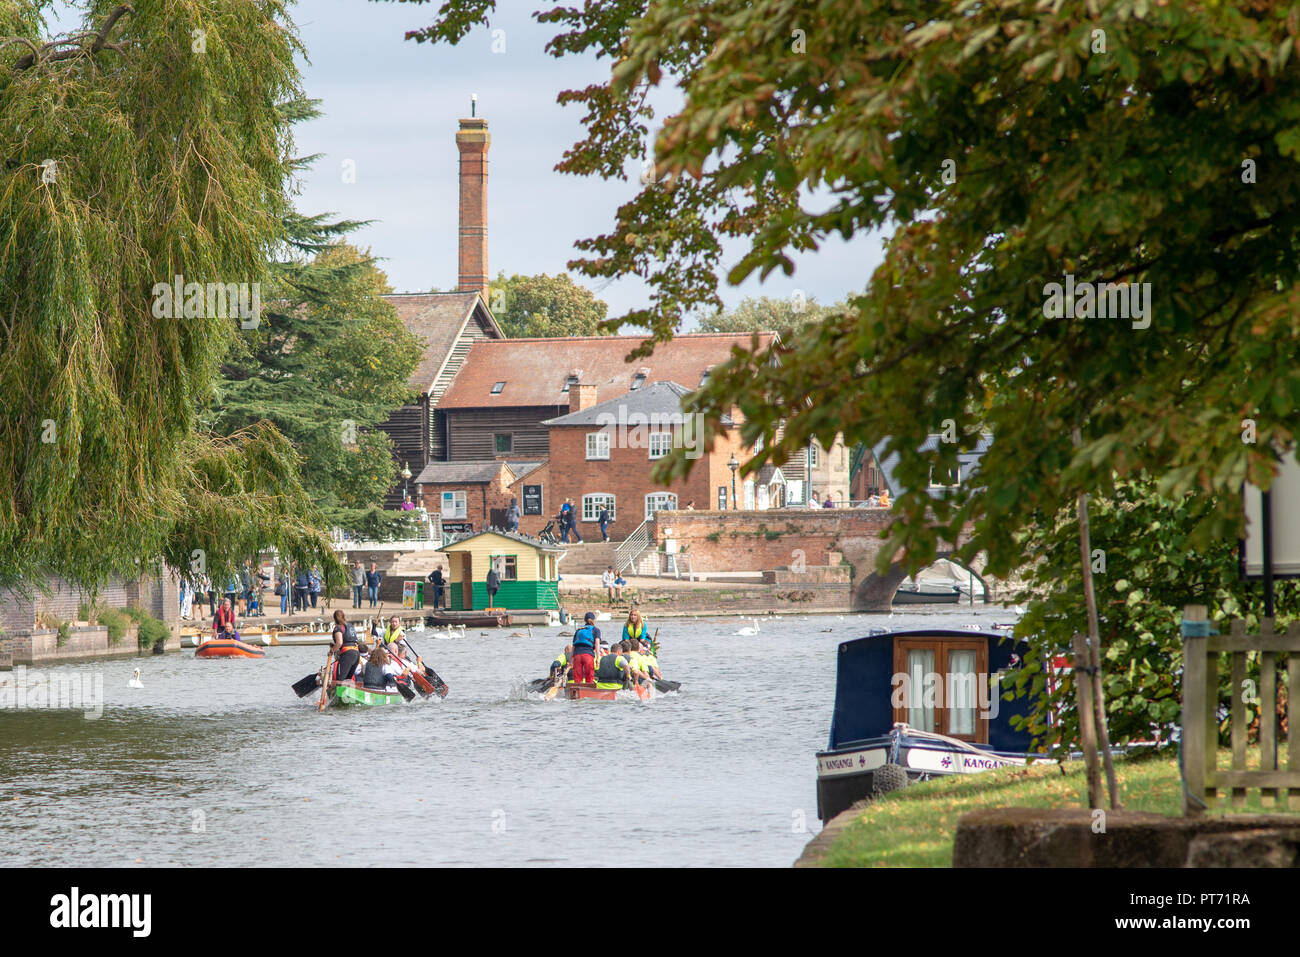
x: 343, y: 642
x: 358, y: 582
x: 584, y: 650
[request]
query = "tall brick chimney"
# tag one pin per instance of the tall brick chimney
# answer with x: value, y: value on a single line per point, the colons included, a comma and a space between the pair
x: 473, y: 140
x: 581, y: 397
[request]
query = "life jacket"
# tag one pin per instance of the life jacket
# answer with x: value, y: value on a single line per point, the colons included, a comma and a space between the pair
x: 374, y: 676
x: 561, y: 662
x: 611, y: 672
x: 584, y: 638
x: 637, y: 632
x: 390, y: 636
x: 349, y: 636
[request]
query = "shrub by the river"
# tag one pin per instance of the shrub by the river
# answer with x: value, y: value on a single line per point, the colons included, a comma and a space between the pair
x: 152, y: 633
x: 116, y: 621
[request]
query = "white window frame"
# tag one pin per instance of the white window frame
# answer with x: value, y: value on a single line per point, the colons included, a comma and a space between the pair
x: 747, y: 495
x: 598, y: 436
x: 591, y: 503
x: 457, y: 499
x: 667, y: 446
x: 813, y: 458
x: 669, y: 498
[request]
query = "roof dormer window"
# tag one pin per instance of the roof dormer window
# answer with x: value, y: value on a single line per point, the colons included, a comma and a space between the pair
x: 497, y: 389
x: 569, y: 381
x: 638, y: 380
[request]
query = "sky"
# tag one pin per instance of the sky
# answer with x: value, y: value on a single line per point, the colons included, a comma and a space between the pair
x: 391, y: 107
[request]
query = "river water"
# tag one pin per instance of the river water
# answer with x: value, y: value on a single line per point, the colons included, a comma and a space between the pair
x: 218, y: 763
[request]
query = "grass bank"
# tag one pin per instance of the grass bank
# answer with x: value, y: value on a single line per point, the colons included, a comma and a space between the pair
x: 916, y: 826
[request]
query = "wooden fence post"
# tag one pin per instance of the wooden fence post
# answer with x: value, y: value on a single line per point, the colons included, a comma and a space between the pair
x: 1194, y: 705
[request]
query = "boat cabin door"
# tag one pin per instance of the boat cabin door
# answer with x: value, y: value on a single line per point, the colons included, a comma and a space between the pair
x: 941, y: 685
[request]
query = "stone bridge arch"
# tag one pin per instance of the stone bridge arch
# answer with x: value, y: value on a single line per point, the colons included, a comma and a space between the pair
x: 873, y: 591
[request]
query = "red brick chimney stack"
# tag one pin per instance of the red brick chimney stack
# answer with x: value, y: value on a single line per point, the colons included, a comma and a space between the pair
x: 581, y: 397
x: 473, y: 140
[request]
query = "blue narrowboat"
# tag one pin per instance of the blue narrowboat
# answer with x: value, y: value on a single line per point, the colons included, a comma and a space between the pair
x: 911, y: 705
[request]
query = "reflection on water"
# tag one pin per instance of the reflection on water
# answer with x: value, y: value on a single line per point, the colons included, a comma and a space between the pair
x: 217, y: 762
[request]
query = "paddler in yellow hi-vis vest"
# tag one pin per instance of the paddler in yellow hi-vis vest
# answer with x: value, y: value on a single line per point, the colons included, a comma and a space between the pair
x: 636, y: 628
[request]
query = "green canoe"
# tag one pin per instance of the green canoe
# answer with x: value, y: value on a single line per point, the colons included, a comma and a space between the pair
x: 349, y: 692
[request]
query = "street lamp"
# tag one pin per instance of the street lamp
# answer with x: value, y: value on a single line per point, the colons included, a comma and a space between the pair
x: 406, y: 477
x: 733, y: 465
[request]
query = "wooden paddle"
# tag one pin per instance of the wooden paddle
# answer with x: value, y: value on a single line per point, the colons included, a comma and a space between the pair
x: 439, y: 686
x: 325, y: 681
x: 556, y: 683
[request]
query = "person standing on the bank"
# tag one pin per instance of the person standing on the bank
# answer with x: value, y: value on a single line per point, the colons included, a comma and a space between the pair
x: 358, y: 582
x: 313, y: 585
x: 812, y: 501
x: 570, y: 520
x: 493, y: 583
x: 604, y: 523
x: 512, y: 516
x: 285, y: 588
x: 436, y: 580
x: 562, y: 518
x: 373, y: 579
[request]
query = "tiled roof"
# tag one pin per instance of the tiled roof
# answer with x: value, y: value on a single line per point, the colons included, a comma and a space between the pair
x: 459, y: 473
x: 659, y: 402
x: 523, y: 468
x: 526, y: 539
x: 534, y: 370
x: 968, y: 460
x: 437, y: 317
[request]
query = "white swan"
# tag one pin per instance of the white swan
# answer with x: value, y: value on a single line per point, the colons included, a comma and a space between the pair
x: 747, y: 632
x: 135, y: 681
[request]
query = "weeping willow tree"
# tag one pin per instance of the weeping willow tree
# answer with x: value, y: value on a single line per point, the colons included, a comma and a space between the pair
x: 144, y: 149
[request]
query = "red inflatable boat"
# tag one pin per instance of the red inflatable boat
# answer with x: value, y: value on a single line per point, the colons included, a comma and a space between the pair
x: 228, y: 648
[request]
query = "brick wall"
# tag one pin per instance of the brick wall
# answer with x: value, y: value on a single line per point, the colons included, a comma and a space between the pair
x: 765, y: 540
x: 481, y: 500
x: 626, y: 476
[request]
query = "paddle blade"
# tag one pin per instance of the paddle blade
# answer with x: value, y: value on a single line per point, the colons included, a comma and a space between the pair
x: 439, y: 686
x: 551, y: 692
x: 643, y: 692
x: 405, y: 691
x: 423, y: 684
x: 305, y: 686
x: 665, y: 687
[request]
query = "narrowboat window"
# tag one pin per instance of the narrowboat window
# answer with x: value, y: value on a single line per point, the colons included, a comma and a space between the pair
x: 920, y: 688
x: 962, y: 678
x: 942, y: 692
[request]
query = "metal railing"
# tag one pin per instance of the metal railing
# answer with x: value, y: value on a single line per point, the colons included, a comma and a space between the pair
x: 631, y: 548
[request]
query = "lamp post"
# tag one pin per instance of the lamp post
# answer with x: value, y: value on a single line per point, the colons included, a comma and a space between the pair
x: 733, y: 465
x: 406, y: 478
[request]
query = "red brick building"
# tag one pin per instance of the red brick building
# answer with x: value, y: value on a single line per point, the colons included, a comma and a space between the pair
x: 467, y: 496
x: 602, y: 454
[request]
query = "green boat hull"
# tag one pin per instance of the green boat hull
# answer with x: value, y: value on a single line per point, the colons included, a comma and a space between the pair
x: 347, y: 693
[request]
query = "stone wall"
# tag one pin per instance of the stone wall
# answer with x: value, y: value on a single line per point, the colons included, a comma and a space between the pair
x: 41, y: 646
x: 742, y: 600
